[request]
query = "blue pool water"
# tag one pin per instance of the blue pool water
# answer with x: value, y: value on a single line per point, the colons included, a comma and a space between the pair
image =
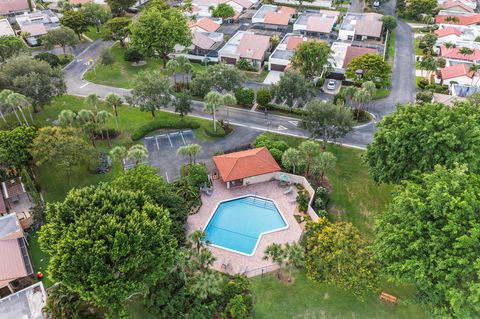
x: 238, y: 224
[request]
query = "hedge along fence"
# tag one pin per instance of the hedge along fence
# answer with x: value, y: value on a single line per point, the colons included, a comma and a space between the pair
x: 143, y: 130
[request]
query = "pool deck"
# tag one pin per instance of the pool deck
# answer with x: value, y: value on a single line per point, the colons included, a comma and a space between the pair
x: 236, y: 261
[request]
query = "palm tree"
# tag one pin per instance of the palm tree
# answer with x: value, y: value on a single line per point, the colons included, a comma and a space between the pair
x: 228, y: 100
x: 67, y: 117
x: 275, y: 253
x: 185, y: 190
x: 213, y: 101
x: 86, y: 119
x: 185, y: 66
x: 3, y: 101
x: 115, y: 101
x: 101, y: 119
x: 294, y: 255
x: 452, y: 19
x: 19, y: 101
x: 118, y: 153
x: 205, y: 284
x: 190, y: 150
x: 172, y: 67
x: 466, y: 51
x: 93, y: 100
x: 362, y: 97
x: 197, y: 240
x: 137, y: 153
x: 348, y: 93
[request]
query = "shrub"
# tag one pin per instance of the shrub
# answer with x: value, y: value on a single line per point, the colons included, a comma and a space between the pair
x: 277, y: 154
x: 263, y: 141
x: 245, y: 96
x: 220, y: 132
x: 106, y: 57
x: 285, y: 108
x: 302, y: 200
x: 280, y: 145
x: 65, y: 59
x: 50, y: 58
x: 132, y: 55
x: 156, y: 125
x: 263, y: 97
x: 244, y: 65
x: 105, y: 163
x: 422, y: 84
x: 197, y: 175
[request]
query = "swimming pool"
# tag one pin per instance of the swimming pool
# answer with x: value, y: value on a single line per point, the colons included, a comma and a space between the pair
x: 238, y: 224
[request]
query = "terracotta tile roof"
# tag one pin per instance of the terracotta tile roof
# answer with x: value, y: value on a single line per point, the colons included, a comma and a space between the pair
x: 293, y: 42
x: 12, y: 265
x: 443, y: 32
x: 207, y: 24
x: 244, y: 3
x: 238, y: 165
x: 253, y: 46
x: 320, y: 24
x: 353, y: 51
x: 462, y: 19
x: 276, y: 18
x: 287, y: 10
x: 454, y: 53
x: 455, y: 71
x: 7, y: 6
x: 452, y: 4
x: 202, y: 41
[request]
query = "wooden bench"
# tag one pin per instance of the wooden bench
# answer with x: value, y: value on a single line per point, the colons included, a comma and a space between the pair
x: 388, y: 298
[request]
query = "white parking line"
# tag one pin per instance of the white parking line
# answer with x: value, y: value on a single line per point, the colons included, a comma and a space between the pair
x: 166, y: 174
x: 156, y: 140
x: 84, y: 85
x: 170, y: 140
x: 181, y: 134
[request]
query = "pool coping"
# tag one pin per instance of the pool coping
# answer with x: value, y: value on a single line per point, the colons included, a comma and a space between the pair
x: 260, y: 235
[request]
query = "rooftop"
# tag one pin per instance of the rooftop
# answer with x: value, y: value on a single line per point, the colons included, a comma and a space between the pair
x: 455, y: 71
x: 443, y: 32
x: 24, y: 304
x: 247, y: 45
x: 353, y: 52
x: 458, y: 19
x: 271, y: 14
x: 287, y: 46
x: 367, y: 24
x: 238, y: 165
x: 454, y: 53
x: 317, y: 21
x: 10, y: 6
x: 5, y: 28
x: 455, y: 3
x: 206, y: 24
x: 13, y: 188
x: 448, y: 100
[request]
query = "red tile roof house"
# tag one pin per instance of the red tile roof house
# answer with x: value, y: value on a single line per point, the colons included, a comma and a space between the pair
x: 456, y: 6
x: 453, y: 55
x: 11, y: 7
x: 15, y: 261
x: 245, y: 45
x: 465, y: 22
x: 458, y: 73
x: 280, y: 57
x: 448, y: 34
x: 342, y: 55
x: 245, y: 167
x: 273, y: 17
x: 316, y: 23
x: 204, y: 25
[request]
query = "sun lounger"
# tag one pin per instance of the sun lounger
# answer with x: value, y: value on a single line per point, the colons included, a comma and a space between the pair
x: 288, y: 191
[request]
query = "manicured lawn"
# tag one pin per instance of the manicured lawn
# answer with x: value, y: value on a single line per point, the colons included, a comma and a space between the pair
x: 93, y: 34
x: 122, y: 74
x: 307, y: 299
x: 416, y: 42
x: 381, y: 94
x: 391, y: 46
x: 39, y: 258
x: 418, y: 79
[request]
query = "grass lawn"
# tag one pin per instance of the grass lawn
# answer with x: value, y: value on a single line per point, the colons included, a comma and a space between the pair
x: 121, y: 73
x: 255, y: 76
x: 381, y: 94
x: 39, y: 258
x: 416, y: 42
x: 307, y: 299
x: 391, y: 46
x: 418, y: 79
x: 93, y: 34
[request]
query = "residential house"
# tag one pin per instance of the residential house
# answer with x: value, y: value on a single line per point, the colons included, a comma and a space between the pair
x: 15, y: 265
x: 316, y: 23
x: 445, y: 4
x: 458, y: 73
x: 448, y: 100
x: 15, y: 200
x: 466, y: 22
x: 361, y: 27
x: 27, y: 303
x: 36, y: 24
x: 453, y: 6
x: 453, y: 35
x: 5, y: 28
x: 279, y: 60
x: 12, y: 7
x: 205, y: 25
x: 245, y: 45
x: 342, y: 54
x: 460, y: 90
x: 273, y: 17
x: 246, y: 167
x: 202, y: 8
x: 455, y: 56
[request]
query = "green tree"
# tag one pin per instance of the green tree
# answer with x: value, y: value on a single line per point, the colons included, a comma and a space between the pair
x: 95, y: 14
x: 151, y: 91
x: 119, y: 7
x: 67, y: 117
x: 389, y: 22
x: 417, y: 137
x: 311, y: 59
x: 117, y: 241
x: 93, y: 100
x: 294, y: 257
x: 292, y: 160
x: 416, y: 8
x: 118, y: 153
x: 50, y: 58
x: 324, y: 161
x: 156, y: 32
x: 106, y: 57
x: 35, y: 79
x: 428, y: 236
x: 373, y: 68
x: 245, y: 96
x: 336, y: 253
x: 263, y: 98
x: 220, y: 77
x: 274, y: 252
x: 114, y: 101
x: 117, y: 29
x: 291, y: 87
x: 15, y: 146
x: 223, y: 10
x: 63, y: 37
x: 182, y: 104
x: 172, y: 67
x: 20, y: 102
x: 327, y: 121
x: 11, y: 46
x: 61, y: 147
x: 76, y: 21
x: 214, y: 101
x: 190, y: 150
x: 86, y: 119
x: 137, y: 153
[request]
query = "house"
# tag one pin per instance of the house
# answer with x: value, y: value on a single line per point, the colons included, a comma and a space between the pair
x: 245, y: 45
x: 36, y: 24
x: 12, y: 7
x: 205, y: 44
x: 458, y: 73
x: 279, y: 60
x: 6, y: 28
x: 205, y: 25
x: 202, y: 8
x: 448, y: 100
x: 468, y: 23
x: 454, y: 55
x: 16, y: 265
x: 16, y: 201
x: 316, y: 23
x: 460, y: 90
x: 27, y: 303
x: 246, y: 167
x: 273, y: 17
x: 449, y: 34
x: 343, y: 53
x: 452, y: 6
x: 361, y: 27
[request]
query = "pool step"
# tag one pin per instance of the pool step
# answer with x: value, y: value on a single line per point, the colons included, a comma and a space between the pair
x: 260, y: 202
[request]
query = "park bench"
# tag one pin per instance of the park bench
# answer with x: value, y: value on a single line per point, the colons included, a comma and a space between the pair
x: 388, y: 298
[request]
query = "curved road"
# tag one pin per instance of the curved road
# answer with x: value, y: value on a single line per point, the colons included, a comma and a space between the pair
x: 402, y: 91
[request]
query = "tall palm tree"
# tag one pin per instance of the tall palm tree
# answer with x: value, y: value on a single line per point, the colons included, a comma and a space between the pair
x: 20, y: 102
x: 228, y: 100
x: 294, y: 255
x: 362, y: 97
x: 348, y: 93
x: 190, y: 150
x: 172, y: 67
x: 3, y: 101
x: 213, y: 101
x: 185, y: 66
x: 137, y: 153
x: 115, y: 101
x: 93, y: 100
x: 184, y: 151
x: 86, y: 118
x: 101, y: 118
x: 466, y: 51
x: 197, y: 240
x: 118, y: 153
x: 67, y: 117
x: 275, y: 253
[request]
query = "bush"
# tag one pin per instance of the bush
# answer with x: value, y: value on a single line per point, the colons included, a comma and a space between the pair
x: 197, y: 175
x: 244, y: 65
x: 65, y: 59
x: 361, y: 116
x: 220, y: 132
x: 106, y: 57
x: 263, y: 97
x: 285, y: 108
x: 422, y: 84
x: 245, y: 96
x: 132, y: 55
x: 50, y: 58
x: 277, y: 154
x: 263, y: 141
x: 280, y: 145
x: 302, y: 200
x: 156, y: 125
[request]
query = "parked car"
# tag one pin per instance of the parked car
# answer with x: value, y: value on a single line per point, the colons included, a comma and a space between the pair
x: 331, y: 84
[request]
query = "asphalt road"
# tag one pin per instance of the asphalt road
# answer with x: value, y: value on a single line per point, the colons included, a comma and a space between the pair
x: 402, y: 91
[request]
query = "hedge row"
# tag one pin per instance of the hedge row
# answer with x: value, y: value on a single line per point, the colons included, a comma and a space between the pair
x: 156, y: 125
x: 220, y: 132
x: 284, y: 108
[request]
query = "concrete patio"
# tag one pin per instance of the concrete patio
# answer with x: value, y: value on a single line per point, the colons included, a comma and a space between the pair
x: 237, y: 262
